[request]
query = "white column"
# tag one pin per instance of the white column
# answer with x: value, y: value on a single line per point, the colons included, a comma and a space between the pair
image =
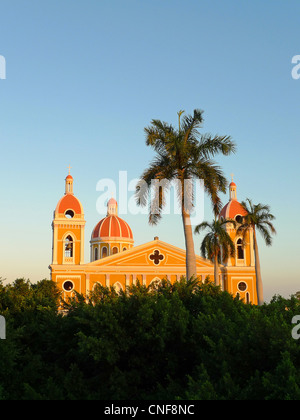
x: 55, y: 238
x: 107, y: 280
x: 127, y: 281
x: 81, y: 244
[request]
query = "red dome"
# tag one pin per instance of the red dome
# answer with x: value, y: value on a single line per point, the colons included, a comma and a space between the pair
x: 112, y: 227
x: 232, y: 209
x: 69, y: 202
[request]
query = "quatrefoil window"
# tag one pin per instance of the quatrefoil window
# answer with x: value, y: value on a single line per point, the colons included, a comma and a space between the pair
x: 156, y: 257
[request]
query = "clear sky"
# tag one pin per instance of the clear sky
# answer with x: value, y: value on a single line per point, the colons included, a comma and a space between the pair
x: 83, y: 79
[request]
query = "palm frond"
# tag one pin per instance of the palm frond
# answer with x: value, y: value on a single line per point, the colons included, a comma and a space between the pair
x: 210, y: 146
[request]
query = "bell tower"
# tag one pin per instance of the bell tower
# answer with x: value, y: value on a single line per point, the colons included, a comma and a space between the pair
x: 68, y: 228
x: 242, y: 280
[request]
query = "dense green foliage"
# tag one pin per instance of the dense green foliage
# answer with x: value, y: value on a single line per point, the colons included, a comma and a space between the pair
x: 181, y: 341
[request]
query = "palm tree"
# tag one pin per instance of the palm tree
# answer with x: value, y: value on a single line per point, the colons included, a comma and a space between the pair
x: 258, y: 218
x: 217, y: 245
x: 182, y: 155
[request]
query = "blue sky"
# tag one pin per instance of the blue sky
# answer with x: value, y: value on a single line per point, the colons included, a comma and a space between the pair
x: 83, y: 80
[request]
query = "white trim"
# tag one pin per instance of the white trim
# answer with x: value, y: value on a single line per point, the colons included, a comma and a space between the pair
x: 118, y: 286
x: 154, y: 280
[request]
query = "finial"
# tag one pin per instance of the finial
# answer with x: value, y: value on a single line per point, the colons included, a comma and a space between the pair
x: 69, y: 168
x: 232, y: 175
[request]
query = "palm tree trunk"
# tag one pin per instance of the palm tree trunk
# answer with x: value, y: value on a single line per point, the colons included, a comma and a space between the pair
x: 191, y: 267
x: 259, y: 284
x: 216, y: 271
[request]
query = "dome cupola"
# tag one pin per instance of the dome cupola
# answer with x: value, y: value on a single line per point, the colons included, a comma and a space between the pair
x: 233, y: 209
x: 111, y: 235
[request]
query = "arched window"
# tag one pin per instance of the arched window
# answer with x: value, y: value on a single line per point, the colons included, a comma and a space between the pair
x: 118, y: 287
x: 240, y: 250
x: 124, y: 249
x: 96, y: 253
x: 115, y: 250
x: 155, y: 282
x: 104, y: 252
x: 69, y: 247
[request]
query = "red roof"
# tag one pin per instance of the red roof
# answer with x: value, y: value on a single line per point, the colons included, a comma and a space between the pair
x: 232, y: 209
x: 69, y: 202
x: 112, y: 226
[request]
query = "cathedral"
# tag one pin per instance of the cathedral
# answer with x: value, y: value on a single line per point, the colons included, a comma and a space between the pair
x: 115, y: 261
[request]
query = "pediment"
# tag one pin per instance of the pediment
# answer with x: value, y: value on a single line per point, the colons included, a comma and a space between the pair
x: 152, y: 254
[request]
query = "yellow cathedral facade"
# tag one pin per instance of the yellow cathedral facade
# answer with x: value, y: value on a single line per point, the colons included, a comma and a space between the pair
x: 115, y: 261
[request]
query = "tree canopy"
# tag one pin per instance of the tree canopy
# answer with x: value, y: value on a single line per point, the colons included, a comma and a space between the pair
x: 170, y: 341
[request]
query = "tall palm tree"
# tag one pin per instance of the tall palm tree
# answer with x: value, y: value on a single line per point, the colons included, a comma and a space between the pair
x: 258, y: 218
x: 217, y: 245
x: 182, y: 155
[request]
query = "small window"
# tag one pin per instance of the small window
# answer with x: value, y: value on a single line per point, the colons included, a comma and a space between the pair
x: 115, y: 250
x: 69, y: 247
x: 68, y: 286
x: 96, y: 254
x: 240, y: 250
x: 69, y: 214
x: 248, y: 298
x: 124, y: 249
x: 239, y: 219
x: 242, y: 286
x: 104, y: 252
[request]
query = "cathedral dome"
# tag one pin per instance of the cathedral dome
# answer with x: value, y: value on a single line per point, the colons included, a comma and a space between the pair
x: 69, y: 202
x: 111, y: 235
x: 233, y: 208
x: 112, y: 227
